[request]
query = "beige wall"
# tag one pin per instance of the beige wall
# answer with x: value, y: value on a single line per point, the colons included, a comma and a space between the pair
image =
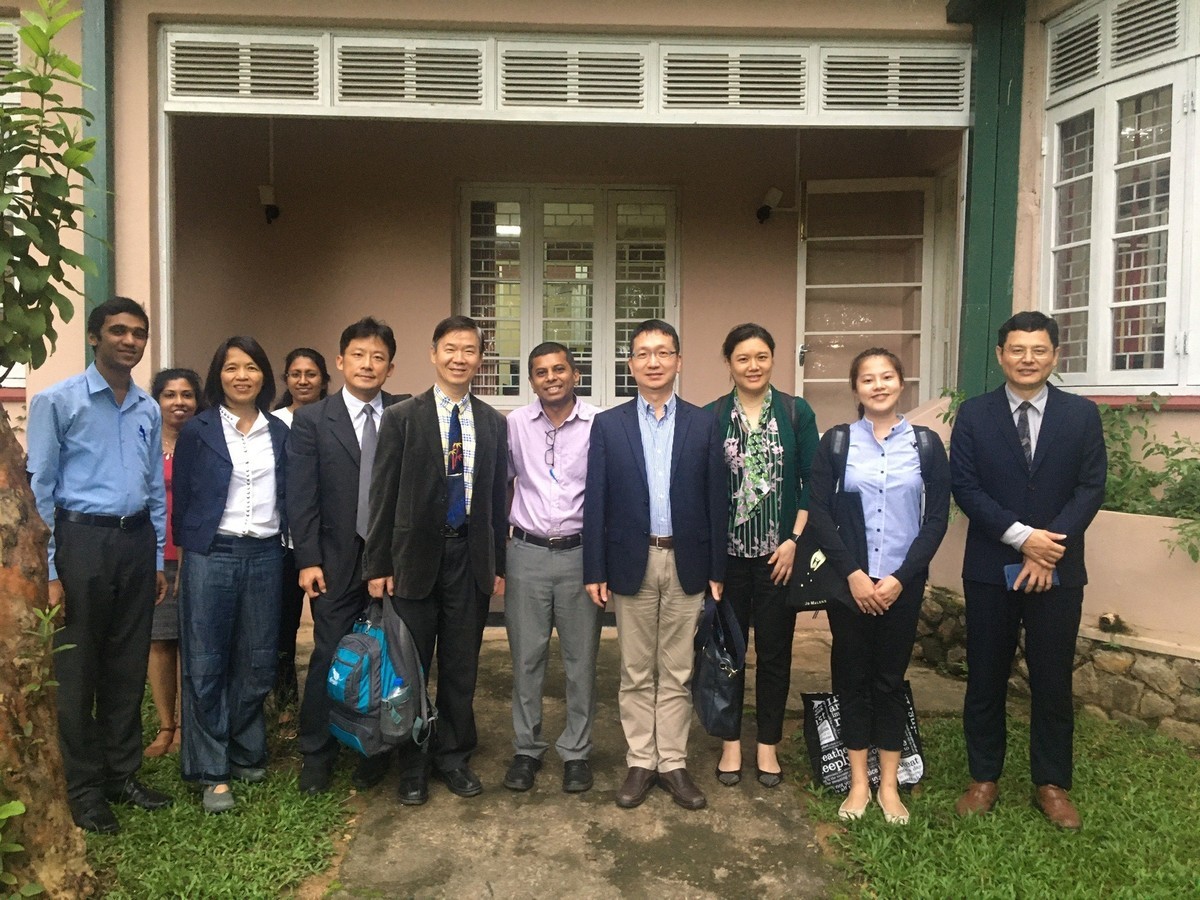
x: 369, y: 216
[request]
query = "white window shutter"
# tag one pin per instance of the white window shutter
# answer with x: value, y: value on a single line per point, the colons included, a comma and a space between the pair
x: 382, y: 70
x: 1143, y: 28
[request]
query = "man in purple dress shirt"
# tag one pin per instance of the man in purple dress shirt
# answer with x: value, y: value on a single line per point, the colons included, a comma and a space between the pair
x: 547, y: 468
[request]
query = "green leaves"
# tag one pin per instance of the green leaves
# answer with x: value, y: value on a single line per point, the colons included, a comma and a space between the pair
x: 43, y: 168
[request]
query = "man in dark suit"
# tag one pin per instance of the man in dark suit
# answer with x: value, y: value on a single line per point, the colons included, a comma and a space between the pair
x: 1028, y: 465
x: 330, y: 450
x: 654, y: 517
x: 436, y: 540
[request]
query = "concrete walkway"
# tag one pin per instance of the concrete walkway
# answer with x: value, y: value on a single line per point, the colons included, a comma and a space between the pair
x: 749, y: 841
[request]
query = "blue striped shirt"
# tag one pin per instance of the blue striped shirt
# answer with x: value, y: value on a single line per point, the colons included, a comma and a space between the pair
x: 658, y: 437
x: 887, y: 475
x: 88, y: 455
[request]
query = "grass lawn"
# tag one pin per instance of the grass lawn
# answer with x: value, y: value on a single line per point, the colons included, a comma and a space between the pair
x: 272, y: 841
x: 1138, y: 794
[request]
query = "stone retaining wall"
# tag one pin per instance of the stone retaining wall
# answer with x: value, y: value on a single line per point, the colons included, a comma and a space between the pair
x: 1135, y: 687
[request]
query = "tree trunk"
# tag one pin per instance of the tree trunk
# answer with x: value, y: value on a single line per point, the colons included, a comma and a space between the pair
x: 31, y: 768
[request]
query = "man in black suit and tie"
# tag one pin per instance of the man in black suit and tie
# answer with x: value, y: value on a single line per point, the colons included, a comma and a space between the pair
x: 436, y: 541
x: 655, y: 511
x: 330, y: 450
x: 1029, y: 466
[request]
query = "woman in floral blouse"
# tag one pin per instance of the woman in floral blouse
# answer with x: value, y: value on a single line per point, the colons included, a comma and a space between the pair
x: 770, y: 439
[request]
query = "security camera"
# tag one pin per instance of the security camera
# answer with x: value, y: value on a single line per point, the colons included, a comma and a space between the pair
x: 770, y: 200
x: 266, y: 196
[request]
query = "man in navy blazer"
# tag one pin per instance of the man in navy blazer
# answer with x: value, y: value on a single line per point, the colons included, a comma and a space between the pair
x: 330, y: 449
x: 1028, y: 466
x: 654, y: 518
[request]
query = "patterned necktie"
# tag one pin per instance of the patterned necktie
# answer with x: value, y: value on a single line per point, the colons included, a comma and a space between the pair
x: 456, y: 483
x: 370, y: 436
x: 1023, y: 431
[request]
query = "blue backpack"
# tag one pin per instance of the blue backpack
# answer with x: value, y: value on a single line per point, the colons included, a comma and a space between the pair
x: 377, y: 685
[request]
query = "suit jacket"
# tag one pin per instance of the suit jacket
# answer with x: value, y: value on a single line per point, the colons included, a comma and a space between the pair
x: 322, y: 489
x: 409, y: 498
x: 616, y: 503
x: 200, y: 479
x: 1061, y: 491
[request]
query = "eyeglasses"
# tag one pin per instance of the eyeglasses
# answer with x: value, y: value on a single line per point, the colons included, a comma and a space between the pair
x: 662, y: 354
x: 551, y: 437
x: 1022, y: 352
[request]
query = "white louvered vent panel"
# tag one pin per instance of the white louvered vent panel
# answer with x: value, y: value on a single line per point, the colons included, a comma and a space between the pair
x: 862, y: 81
x: 10, y: 47
x: 1141, y: 28
x: 569, y: 77
x: 245, y: 68
x: 722, y: 80
x: 409, y: 74
x: 1075, y: 54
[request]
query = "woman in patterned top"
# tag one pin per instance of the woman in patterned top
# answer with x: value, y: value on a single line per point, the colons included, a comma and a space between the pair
x: 770, y: 439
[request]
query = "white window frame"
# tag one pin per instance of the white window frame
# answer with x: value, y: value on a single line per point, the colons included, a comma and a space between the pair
x: 1182, y: 303
x: 606, y: 199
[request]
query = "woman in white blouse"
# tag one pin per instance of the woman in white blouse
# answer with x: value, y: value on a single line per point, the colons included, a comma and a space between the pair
x: 229, y: 515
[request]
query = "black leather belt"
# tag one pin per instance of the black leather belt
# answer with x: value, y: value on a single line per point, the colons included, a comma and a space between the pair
x: 569, y: 542
x: 448, y: 532
x: 662, y: 543
x: 125, y: 523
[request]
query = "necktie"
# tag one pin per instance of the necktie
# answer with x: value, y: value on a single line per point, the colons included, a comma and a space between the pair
x: 456, y: 483
x: 1023, y: 431
x: 370, y: 436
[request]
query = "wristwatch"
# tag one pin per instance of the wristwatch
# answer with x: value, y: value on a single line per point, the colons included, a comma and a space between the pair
x: 795, y: 537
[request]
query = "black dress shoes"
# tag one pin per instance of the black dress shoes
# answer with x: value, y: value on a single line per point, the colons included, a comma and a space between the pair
x: 314, y: 777
x: 97, y: 818
x: 637, y: 785
x: 521, y: 772
x: 371, y: 770
x: 133, y: 793
x: 678, y: 783
x: 577, y: 776
x: 414, y: 790
x: 462, y: 782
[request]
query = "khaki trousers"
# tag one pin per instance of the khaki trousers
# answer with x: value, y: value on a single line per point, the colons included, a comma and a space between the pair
x: 656, y: 628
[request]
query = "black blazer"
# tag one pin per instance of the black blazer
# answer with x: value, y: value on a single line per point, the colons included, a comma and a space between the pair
x: 1062, y: 491
x: 409, y: 503
x: 200, y: 478
x: 837, y: 520
x: 616, y: 501
x: 322, y: 489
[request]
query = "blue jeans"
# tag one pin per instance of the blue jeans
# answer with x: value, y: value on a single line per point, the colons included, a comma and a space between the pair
x: 228, y: 630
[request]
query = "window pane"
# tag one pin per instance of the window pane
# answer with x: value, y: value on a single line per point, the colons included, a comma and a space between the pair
x: 1072, y: 277
x: 1144, y: 125
x: 1072, y: 341
x: 568, y: 281
x: 640, y: 280
x: 495, y: 294
x: 1143, y: 195
x: 1139, y: 336
x: 1074, y: 211
x: 1076, y: 139
x: 1140, y: 267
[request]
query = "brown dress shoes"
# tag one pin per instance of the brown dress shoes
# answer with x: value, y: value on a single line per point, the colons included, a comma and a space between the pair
x: 678, y: 783
x: 637, y: 785
x: 978, y: 799
x: 1057, y: 807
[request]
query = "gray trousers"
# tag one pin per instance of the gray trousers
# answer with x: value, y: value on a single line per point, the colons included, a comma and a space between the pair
x: 543, y: 591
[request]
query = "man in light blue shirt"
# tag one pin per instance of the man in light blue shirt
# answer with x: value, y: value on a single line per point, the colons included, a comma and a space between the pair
x: 95, y: 465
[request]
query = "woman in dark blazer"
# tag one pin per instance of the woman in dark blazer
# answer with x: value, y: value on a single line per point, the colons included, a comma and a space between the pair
x: 229, y: 517
x: 769, y: 440
x: 879, y: 514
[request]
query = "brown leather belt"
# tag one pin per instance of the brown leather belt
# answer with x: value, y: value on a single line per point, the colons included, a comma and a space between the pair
x: 662, y: 543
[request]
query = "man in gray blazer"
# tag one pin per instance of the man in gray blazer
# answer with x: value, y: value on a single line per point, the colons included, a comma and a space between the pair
x: 436, y: 540
x: 330, y: 449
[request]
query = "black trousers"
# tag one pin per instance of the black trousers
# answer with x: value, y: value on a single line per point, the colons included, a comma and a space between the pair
x: 869, y: 658
x: 109, y: 579
x: 449, y: 622
x: 333, y: 618
x: 758, y: 602
x: 994, y: 619
x: 291, y: 608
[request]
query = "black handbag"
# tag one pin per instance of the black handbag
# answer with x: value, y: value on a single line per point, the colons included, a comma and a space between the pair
x: 814, y: 582
x: 719, y: 673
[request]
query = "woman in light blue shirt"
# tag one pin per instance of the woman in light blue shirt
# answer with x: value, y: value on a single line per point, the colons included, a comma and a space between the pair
x: 879, y: 515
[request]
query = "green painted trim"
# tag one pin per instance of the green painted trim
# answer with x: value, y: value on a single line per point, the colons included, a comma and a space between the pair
x: 991, y: 190
x: 98, y: 72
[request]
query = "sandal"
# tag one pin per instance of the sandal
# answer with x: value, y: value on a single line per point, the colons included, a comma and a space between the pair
x: 161, y: 745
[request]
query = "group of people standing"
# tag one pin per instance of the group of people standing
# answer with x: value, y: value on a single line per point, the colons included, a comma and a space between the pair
x: 437, y: 502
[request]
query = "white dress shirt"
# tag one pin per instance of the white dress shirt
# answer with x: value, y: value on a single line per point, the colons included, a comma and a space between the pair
x: 1018, y: 532
x: 250, y: 508
x: 358, y: 418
